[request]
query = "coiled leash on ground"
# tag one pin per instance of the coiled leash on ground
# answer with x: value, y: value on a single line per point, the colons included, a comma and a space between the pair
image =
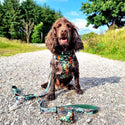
x: 65, y: 113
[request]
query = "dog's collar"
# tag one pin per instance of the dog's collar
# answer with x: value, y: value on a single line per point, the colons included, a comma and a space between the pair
x: 68, y: 53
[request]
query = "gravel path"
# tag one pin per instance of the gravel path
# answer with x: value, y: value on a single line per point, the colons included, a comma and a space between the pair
x: 102, y: 80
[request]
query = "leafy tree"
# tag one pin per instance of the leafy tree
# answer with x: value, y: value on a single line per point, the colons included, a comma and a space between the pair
x: 30, y: 14
x: 1, y: 20
x: 1, y: 12
x: 7, y: 18
x: 17, y: 19
x: 11, y: 19
x: 104, y: 12
x: 37, y: 33
x: 29, y: 11
x: 48, y: 17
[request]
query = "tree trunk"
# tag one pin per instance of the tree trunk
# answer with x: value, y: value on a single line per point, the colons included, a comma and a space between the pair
x: 108, y: 25
x: 27, y: 39
x: 27, y: 28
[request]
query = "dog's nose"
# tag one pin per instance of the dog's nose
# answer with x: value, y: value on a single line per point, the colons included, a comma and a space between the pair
x: 63, y: 31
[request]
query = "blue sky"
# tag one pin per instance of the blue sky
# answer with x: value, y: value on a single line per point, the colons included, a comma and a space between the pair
x: 71, y: 10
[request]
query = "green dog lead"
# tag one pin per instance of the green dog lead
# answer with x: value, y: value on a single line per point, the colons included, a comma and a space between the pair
x: 65, y: 113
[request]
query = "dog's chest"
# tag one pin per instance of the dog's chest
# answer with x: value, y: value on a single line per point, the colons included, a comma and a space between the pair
x: 64, y: 65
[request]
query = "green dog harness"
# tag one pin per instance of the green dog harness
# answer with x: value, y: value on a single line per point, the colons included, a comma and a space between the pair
x: 65, y: 59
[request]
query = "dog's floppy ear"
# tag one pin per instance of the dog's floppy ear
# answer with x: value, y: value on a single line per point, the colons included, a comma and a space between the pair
x: 78, y: 44
x: 51, y: 40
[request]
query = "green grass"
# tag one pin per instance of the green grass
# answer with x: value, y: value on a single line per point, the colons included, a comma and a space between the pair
x: 12, y: 47
x: 110, y: 45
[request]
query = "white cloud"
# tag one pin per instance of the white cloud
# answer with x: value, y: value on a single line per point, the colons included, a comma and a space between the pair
x: 1, y: 1
x: 22, y: 1
x: 81, y: 25
x: 73, y: 13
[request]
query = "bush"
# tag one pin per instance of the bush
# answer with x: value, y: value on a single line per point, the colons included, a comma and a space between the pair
x: 90, y: 41
x: 110, y: 45
x: 37, y: 33
x: 88, y: 36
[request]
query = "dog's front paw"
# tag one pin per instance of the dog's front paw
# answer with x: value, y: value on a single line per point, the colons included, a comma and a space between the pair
x: 70, y: 87
x: 50, y: 96
x: 79, y: 91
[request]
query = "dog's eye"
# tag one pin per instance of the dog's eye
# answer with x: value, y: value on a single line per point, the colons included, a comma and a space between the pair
x: 68, y: 25
x: 59, y: 25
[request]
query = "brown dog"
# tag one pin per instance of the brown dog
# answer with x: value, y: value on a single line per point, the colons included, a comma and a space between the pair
x: 63, y: 40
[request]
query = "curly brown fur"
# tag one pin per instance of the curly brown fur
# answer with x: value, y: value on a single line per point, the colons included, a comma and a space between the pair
x: 63, y: 36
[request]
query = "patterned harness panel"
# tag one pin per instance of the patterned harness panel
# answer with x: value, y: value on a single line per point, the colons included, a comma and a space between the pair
x: 65, y: 59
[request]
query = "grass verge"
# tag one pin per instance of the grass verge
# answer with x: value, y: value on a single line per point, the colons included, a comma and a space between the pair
x: 110, y: 45
x: 12, y: 47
